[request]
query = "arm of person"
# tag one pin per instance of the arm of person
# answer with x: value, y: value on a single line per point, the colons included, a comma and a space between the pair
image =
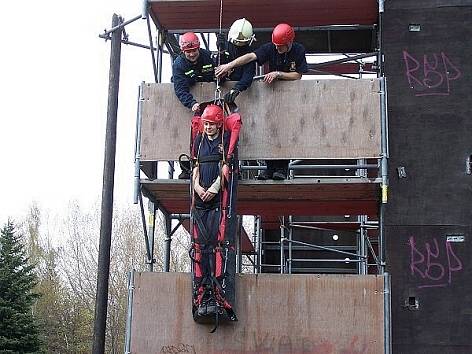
x: 215, y: 187
x: 244, y: 59
x: 205, y: 195
x: 196, y: 182
x: 280, y: 75
x: 182, y: 88
x: 289, y: 76
x: 249, y: 70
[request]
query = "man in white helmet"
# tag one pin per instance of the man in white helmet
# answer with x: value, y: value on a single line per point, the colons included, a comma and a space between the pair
x: 240, y: 37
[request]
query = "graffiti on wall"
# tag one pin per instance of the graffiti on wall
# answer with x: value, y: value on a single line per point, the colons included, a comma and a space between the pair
x: 266, y: 343
x: 433, y: 263
x: 430, y: 74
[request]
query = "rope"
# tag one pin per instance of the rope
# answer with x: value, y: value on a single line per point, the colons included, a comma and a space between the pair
x: 218, y: 90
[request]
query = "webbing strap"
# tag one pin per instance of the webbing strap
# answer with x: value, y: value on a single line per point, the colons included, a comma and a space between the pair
x: 210, y: 158
x: 201, y: 227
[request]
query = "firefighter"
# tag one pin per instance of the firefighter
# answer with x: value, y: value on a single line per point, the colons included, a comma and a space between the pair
x: 193, y: 65
x: 286, y: 60
x: 240, y: 38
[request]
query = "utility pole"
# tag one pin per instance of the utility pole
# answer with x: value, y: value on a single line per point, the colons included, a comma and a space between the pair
x: 103, y: 271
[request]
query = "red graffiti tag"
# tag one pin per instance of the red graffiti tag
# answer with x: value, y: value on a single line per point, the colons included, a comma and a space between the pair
x: 430, y: 266
x: 432, y: 75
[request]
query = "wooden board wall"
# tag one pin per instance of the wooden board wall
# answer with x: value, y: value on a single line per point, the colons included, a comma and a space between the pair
x: 299, y: 120
x: 318, y: 314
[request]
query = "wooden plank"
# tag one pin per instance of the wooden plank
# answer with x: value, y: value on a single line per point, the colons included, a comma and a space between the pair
x: 317, y: 314
x: 274, y: 190
x: 204, y: 14
x: 274, y: 208
x: 286, y: 120
x: 291, y: 197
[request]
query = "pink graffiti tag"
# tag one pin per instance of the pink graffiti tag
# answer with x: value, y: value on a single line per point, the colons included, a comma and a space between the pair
x: 432, y: 75
x: 432, y: 267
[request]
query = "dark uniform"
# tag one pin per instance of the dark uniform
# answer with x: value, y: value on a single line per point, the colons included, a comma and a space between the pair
x: 213, y: 251
x: 185, y: 74
x: 242, y: 74
x: 292, y: 61
x: 209, y: 156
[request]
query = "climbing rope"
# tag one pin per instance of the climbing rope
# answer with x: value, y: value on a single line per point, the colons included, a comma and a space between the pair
x: 218, y: 89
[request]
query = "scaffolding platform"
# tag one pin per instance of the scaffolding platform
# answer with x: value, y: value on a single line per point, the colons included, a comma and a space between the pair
x: 266, y: 303
x: 315, y: 196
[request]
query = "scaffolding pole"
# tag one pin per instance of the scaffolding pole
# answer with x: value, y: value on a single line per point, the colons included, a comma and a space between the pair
x: 167, y: 241
x: 129, y: 315
x: 151, y: 233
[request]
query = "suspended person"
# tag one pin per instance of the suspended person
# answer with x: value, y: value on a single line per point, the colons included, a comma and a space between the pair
x: 213, y: 257
x: 193, y: 65
x: 240, y: 38
x: 287, y: 61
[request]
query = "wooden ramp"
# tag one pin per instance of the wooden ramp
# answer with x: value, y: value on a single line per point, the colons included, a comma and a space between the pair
x: 316, y: 314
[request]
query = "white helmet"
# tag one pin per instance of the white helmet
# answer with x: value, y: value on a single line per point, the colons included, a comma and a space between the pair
x: 240, y: 33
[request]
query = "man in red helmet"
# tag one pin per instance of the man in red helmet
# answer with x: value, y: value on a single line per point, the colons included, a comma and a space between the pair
x: 206, y: 175
x: 193, y: 65
x: 213, y: 256
x: 286, y: 60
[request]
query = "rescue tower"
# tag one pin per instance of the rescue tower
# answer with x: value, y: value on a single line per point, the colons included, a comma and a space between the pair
x: 321, y: 229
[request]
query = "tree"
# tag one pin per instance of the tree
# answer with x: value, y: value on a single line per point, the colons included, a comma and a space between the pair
x: 18, y: 327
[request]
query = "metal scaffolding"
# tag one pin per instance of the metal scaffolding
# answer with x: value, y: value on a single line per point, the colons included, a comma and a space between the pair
x: 366, y: 256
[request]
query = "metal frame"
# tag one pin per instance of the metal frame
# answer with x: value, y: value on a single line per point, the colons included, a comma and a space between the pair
x: 287, y: 242
x: 363, y: 245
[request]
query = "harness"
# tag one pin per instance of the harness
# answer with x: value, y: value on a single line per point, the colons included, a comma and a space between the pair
x: 210, y: 248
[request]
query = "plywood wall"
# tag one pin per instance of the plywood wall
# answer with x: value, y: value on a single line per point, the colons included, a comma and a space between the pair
x: 298, y: 119
x: 318, y: 314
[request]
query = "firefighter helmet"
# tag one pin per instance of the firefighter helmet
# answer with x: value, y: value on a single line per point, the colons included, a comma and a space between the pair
x: 241, y: 33
x: 213, y: 113
x: 189, y: 41
x: 283, y: 34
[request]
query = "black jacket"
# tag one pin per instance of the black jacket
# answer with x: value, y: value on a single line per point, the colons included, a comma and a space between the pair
x: 243, y: 74
x: 185, y: 74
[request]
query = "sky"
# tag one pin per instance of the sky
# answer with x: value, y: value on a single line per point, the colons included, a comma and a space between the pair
x: 53, y: 102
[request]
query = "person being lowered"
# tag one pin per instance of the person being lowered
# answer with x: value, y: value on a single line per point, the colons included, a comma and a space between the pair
x: 211, y: 252
x: 208, y: 151
x: 286, y: 60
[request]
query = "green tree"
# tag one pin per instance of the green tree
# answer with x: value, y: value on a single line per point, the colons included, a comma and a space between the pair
x: 18, y: 328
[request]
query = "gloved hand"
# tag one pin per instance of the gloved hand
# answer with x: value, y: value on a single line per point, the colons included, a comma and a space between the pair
x: 231, y: 95
x: 220, y: 41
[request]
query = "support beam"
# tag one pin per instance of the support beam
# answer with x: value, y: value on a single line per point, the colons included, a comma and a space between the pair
x: 101, y: 301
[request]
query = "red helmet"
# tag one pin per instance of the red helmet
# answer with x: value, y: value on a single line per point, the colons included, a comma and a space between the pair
x: 189, y: 41
x: 283, y: 34
x: 213, y: 113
